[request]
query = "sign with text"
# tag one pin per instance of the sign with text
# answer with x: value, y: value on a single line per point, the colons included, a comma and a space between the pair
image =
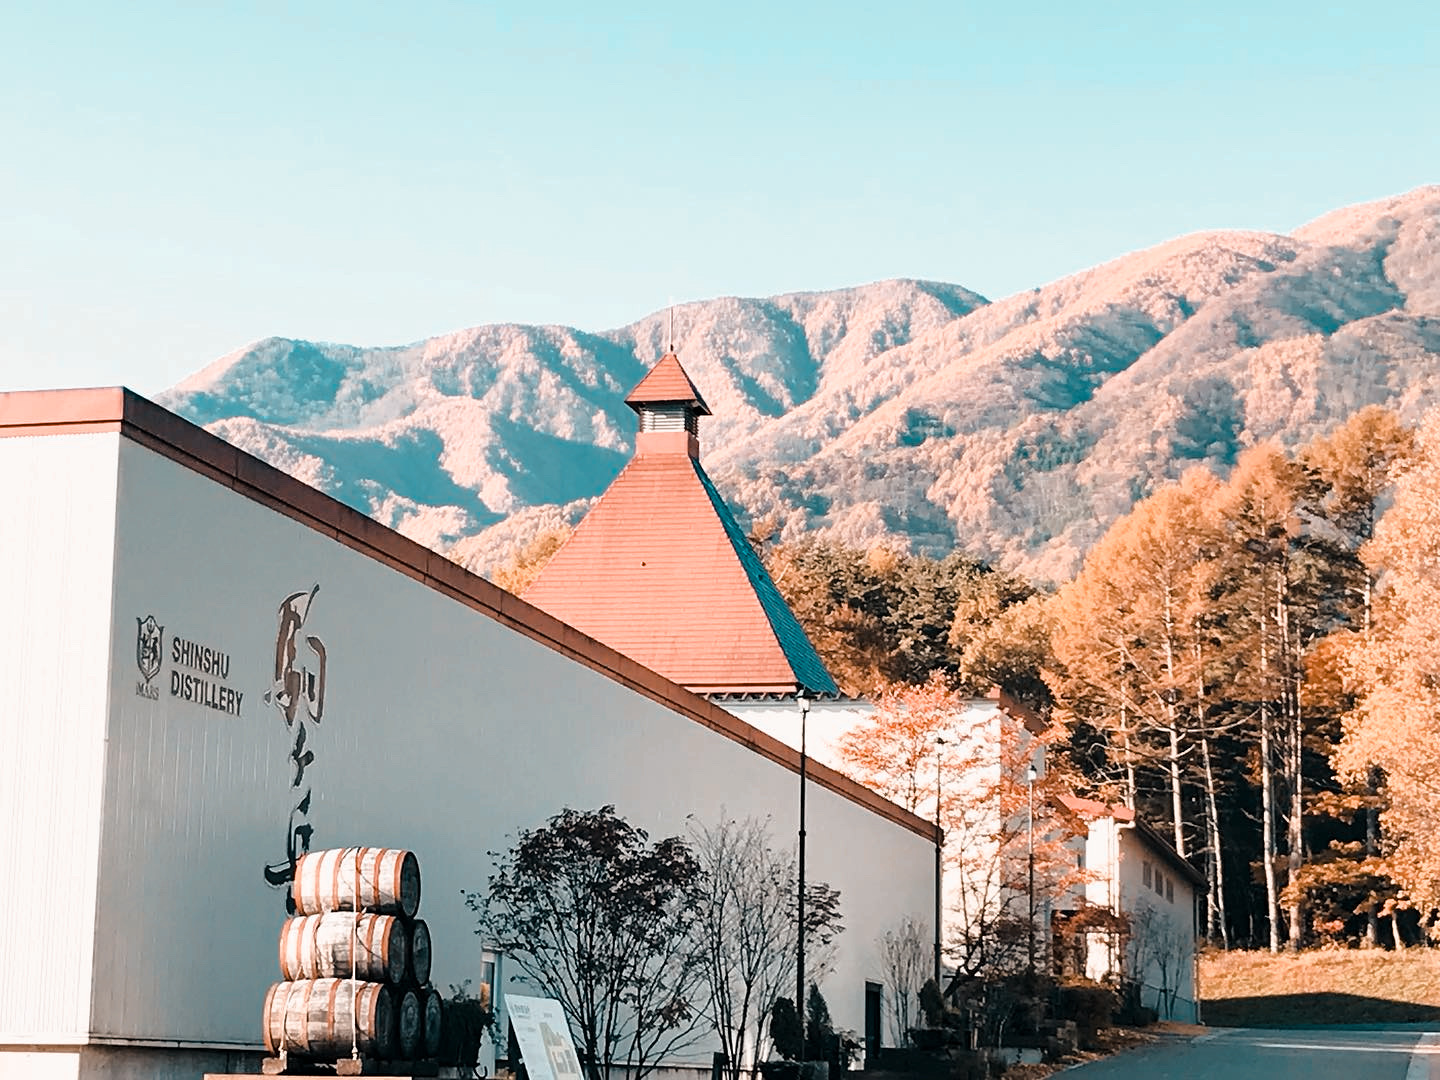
x: 544, y: 1038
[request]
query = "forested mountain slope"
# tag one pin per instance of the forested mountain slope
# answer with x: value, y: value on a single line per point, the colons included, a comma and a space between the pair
x: 917, y: 411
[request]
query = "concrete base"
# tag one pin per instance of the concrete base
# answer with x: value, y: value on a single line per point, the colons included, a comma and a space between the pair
x: 123, y: 1063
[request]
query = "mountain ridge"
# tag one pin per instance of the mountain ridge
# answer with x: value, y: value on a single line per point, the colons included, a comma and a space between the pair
x: 901, y: 411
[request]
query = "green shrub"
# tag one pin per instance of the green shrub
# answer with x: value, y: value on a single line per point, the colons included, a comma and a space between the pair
x: 1131, y: 1012
x: 785, y: 1030
x: 1089, y: 1004
x: 932, y: 1005
x: 466, y: 1020
x: 819, y: 1028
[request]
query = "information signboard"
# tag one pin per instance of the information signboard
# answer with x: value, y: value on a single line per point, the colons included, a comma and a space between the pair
x: 544, y: 1038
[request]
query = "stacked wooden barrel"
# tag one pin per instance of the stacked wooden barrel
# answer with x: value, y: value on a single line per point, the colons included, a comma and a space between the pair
x: 355, y: 962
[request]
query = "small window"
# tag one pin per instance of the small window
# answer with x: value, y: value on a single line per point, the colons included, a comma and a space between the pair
x: 1170, y: 889
x: 486, y: 989
x: 1159, y: 883
x: 1145, y: 874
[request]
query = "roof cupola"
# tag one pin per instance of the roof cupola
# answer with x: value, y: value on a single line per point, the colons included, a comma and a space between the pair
x: 669, y: 408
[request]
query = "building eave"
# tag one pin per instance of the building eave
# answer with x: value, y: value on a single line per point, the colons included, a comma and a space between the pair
x: 55, y: 413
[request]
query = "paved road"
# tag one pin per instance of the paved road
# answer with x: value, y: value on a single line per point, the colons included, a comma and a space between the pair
x: 1249, y: 1054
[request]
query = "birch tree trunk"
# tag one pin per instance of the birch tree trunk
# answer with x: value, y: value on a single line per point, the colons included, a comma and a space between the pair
x: 1217, y: 863
x: 1129, y: 757
x: 1172, y: 717
x: 1291, y: 748
x: 1267, y: 792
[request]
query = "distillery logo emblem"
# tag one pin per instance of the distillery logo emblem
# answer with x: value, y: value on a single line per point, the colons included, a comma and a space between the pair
x: 199, y: 674
x: 149, y: 644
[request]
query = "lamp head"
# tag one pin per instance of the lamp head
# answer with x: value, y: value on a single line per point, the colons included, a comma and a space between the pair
x: 1030, y: 774
x: 803, y: 702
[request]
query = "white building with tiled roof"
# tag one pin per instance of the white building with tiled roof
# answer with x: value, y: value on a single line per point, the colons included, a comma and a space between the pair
x: 1138, y: 875
x: 210, y: 668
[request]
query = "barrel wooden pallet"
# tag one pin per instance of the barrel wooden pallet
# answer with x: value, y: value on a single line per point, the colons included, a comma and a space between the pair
x: 361, y: 1066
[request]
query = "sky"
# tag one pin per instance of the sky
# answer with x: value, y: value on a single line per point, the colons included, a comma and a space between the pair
x: 177, y: 181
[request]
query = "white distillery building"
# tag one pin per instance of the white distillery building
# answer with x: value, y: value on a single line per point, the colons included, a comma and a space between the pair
x: 1130, y: 868
x: 662, y: 536
x: 967, y: 760
x: 1135, y: 872
x: 209, y: 666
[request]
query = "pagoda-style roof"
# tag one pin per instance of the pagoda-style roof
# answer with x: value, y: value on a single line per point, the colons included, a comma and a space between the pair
x: 667, y: 384
x: 660, y: 570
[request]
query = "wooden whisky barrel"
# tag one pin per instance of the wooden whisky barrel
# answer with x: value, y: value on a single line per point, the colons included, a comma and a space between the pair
x: 434, y: 1020
x: 419, y: 952
x: 389, y: 881
x: 411, y: 1025
x: 319, y: 947
x: 311, y: 1018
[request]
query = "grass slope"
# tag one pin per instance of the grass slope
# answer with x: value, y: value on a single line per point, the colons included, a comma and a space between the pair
x: 1257, y: 989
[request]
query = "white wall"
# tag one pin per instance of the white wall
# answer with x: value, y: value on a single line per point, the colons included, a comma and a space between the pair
x: 56, y: 554
x: 829, y: 721
x: 443, y: 731
x: 825, y: 725
x: 969, y: 892
x: 1116, y: 855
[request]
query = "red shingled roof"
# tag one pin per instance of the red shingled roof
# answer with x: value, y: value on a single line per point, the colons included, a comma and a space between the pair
x: 1094, y: 808
x: 667, y: 384
x: 659, y: 571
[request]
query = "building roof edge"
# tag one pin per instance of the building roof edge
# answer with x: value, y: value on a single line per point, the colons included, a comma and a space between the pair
x: 118, y: 409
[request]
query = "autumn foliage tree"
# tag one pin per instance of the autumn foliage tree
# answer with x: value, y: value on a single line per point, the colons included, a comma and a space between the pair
x: 896, y: 750
x: 1393, y: 666
x: 935, y: 752
x: 523, y: 564
x: 1264, y: 628
x: 1138, y: 662
x: 1129, y: 636
x: 1197, y: 660
x: 879, y: 616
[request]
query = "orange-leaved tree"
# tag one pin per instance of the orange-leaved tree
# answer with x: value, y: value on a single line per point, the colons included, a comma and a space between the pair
x: 1395, y: 668
x: 1130, y: 636
x: 1356, y: 465
x: 937, y: 752
x: 523, y: 563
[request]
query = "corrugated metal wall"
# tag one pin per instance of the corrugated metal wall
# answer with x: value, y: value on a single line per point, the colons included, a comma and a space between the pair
x: 56, y: 557
x: 441, y: 730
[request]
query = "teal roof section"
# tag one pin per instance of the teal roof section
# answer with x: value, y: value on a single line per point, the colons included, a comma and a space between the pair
x: 800, y: 654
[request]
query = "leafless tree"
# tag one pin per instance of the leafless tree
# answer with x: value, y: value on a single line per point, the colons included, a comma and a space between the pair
x: 746, y: 928
x: 904, y: 954
x: 1158, y: 948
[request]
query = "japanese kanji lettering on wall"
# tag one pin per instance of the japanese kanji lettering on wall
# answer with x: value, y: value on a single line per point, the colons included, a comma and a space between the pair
x: 298, y: 692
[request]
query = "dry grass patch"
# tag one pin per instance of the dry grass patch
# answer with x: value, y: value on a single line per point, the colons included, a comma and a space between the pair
x: 1258, y: 989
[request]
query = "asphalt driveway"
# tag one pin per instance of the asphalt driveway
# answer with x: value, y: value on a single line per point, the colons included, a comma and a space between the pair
x: 1252, y: 1054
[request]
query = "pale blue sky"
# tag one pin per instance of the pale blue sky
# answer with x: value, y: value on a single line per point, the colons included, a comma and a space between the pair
x: 176, y: 182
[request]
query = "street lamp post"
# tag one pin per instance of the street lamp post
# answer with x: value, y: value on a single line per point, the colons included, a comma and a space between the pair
x: 939, y: 861
x: 1030, y: 816
x: 804, y: 704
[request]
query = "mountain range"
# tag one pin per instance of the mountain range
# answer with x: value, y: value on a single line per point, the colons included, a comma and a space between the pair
x: 906, y: 412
